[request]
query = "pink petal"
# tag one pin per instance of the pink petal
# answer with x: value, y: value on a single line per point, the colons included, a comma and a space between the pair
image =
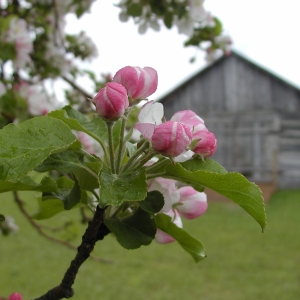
x: 145, y: 129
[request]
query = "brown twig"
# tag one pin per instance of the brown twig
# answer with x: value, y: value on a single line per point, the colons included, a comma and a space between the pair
x: 78, y: 88
x: 47, y: 236
x: 95, y: 231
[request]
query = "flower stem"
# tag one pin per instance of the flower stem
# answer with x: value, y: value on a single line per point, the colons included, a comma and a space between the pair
x: 138, y: 153
x: 110, y: 126
x: 121, y: 144
x: 138, y: 164
x: 157, y: 165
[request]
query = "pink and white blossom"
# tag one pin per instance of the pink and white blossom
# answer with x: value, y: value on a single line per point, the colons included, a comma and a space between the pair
x: 111, y: 101
x: 192, y: 204
x: 171, y: 138
x: 207, y: 143
x: 140, y: 83
x: 37, y: 100
x: 197, y: 15
x: 163, y: 238
x: 15, y: 296
x: 86, y: 141
x: 168, y: 189
x: 184, y: 156
x: 150, y: 115
x: 189, y: 118
x: 20, y: 37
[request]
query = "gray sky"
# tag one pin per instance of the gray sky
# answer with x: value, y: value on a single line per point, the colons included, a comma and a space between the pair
x: 265, y: 31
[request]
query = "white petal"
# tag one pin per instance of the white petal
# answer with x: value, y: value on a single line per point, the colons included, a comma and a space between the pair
x: 151, y: 112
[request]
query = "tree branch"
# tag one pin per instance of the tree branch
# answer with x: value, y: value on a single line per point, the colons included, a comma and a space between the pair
x: 44, y: 234
x: 78, y: 88
x: 95, y: 231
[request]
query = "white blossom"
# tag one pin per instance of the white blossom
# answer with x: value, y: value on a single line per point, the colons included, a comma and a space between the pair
x: 19, y: 35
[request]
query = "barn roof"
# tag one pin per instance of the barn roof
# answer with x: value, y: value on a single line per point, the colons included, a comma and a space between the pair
x: 221, y: 60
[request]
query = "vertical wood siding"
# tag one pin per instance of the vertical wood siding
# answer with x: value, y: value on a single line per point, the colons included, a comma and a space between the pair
x: 249, y: 110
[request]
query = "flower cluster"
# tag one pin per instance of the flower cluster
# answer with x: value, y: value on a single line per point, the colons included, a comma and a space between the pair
x: 182, y: 137
x: 19, y: 36
x: 180, y: 202
x: 195, y: 13
x: 130, y: 85
x: 36, y: 98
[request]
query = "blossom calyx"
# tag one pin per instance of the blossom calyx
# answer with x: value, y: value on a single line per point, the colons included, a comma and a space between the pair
x: 140, y: 83
x: 111, y: 101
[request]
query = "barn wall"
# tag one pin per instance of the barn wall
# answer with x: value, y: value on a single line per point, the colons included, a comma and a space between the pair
x: 254, y: 115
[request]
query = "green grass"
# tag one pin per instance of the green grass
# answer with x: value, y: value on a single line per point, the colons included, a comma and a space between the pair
x: 242, y: 262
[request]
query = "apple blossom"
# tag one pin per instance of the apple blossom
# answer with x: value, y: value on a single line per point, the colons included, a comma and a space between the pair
x: 37, y: 100
x: 150, y: 115
x: 189, y: 118
x: 20, y: 37
x: 140, y: 83
x: 197, y: 14
x: 168, y: 189
x: 87, y: 142
x: 163, y: 238
x: 111, y: 101
x: 15, y: 296
x: 207, y: 143
x: 171, y: 138
x: 192, y: 203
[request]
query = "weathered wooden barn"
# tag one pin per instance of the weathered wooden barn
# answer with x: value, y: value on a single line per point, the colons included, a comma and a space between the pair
x: 254, y: 114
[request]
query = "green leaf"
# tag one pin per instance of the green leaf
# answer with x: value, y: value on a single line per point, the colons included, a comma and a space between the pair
x: 209, y: 165
x: 65, y: 162
x: 194, y: 247
x: 26, y: 183
x: 74, y: 196
x: 153, y: 203
x: 128, y: 186
x: 87, y: 180
x: 96, y: 127
x: 26, y: 145
x: 48, y: 209
x: 2, y: 218
x: 68, y: 192
x: 232, y: 185
x: 134, y: 231
x: 134, y: 9
x: 168, y: 19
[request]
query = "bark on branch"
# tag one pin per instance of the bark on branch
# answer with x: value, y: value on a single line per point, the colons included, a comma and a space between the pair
x: 95, y: 231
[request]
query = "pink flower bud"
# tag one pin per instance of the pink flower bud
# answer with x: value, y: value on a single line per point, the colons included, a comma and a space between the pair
x: 111, y: 101
x: 163, y: 238
x: 15, y: 296
x: 190, y: 119
x: 140, y: 83
x: 207, y: 144
x: 171, y: 138
x: 192, y: 204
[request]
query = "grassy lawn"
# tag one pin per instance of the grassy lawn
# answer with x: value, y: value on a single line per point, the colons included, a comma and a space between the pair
x: 242, y: 263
